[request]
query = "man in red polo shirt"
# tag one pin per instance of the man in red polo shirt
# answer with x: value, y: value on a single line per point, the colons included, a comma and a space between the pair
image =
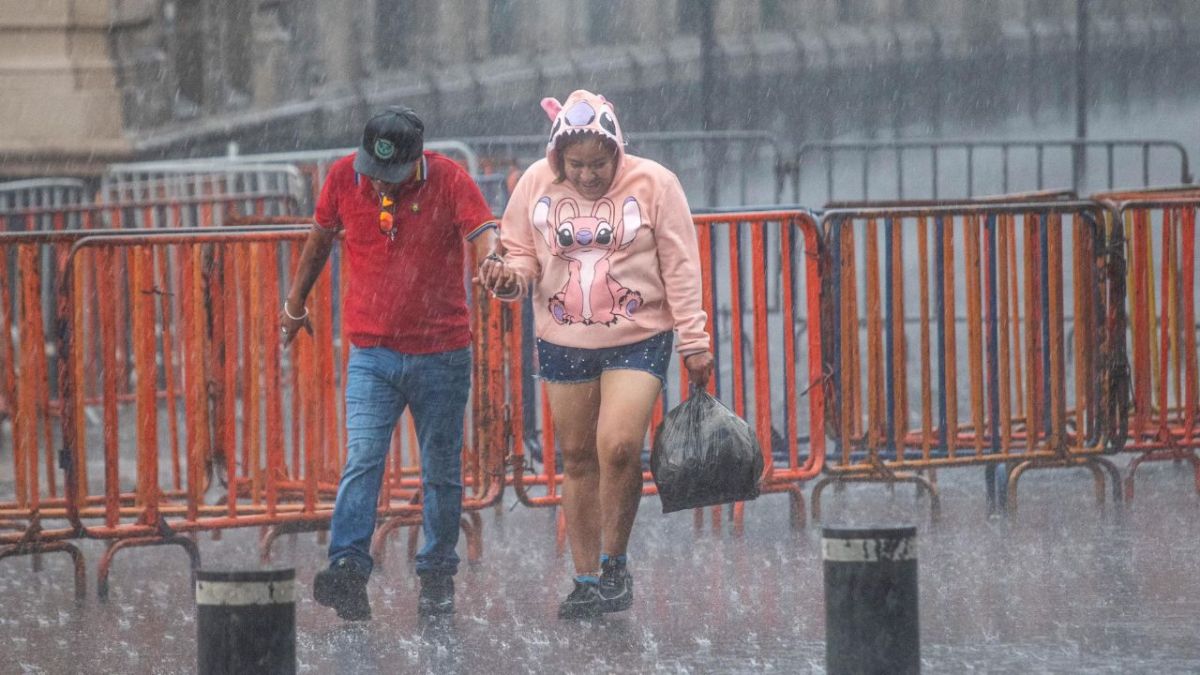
x: 404, y: 213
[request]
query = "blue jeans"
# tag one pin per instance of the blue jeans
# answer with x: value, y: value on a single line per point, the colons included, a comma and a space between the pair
x: 380, y: 384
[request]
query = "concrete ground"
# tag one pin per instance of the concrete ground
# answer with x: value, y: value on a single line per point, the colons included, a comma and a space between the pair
x: 1063, y: 587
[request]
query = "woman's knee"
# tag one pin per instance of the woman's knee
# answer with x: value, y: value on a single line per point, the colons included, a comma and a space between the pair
x: 579, y: 461
x: 620, y: 452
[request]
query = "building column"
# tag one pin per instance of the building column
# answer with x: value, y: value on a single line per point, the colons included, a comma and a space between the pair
x: 61, y: 105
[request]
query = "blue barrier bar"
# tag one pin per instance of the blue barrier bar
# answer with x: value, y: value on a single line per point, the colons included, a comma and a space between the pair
x: 993, y: 499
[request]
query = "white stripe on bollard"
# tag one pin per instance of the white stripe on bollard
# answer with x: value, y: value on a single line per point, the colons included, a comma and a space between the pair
x: 868, y: 550
x: 241, y: 593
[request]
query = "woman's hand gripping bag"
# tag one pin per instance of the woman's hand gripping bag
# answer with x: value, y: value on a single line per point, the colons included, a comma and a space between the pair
x: 704, y: 455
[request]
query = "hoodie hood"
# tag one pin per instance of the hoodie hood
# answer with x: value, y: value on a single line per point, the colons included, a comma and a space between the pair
x: 582, y: 113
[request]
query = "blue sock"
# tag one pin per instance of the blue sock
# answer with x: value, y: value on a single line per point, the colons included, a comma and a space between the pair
x: 587, y: 579
x: 622, y: 559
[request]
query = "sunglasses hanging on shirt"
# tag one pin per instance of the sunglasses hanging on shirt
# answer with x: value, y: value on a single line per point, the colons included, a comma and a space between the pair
x: 387, y: 217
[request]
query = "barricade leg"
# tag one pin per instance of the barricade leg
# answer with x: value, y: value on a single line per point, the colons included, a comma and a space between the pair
x: 840, y: 482
x: 560, y: 535
x: 384, y: 529
x: 270, y: 534
x: 1097, y: 465
x: 472, y: 527
x: 187, y: 544
x: 1174, y: 454
x: 38, y: 548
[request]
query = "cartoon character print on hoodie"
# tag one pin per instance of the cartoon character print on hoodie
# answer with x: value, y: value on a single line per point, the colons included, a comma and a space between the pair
x: 592, y: 295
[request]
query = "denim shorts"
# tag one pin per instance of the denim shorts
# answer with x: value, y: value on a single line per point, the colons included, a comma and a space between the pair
x: 568, y: 365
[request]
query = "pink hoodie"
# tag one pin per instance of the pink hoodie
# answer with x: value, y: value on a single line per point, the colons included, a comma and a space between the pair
x: 610, y: 272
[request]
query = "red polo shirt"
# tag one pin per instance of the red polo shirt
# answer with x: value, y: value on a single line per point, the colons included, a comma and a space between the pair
x: 408, y: 294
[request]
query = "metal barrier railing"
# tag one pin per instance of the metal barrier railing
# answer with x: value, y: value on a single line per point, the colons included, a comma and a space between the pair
x: 212, y: 401
x: 312, y: 164
x: 42, y: 193
x: 1159, y: 226
x: 1021, y: 274
x: 176, y: 182
x: 166, y: 329
x: 33, y: 502
x: 199, y: 210
x: 963, y: 168
x: 225, y: 283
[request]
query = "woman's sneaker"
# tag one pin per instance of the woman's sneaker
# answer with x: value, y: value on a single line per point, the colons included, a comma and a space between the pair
x: 343, y: 586
x: 616, y: 585
x: 583, y: 602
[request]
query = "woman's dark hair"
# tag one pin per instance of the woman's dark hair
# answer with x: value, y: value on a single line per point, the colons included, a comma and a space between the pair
x: 560, y: 171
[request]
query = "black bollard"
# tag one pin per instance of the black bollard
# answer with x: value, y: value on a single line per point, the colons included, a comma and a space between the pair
x: 871, y: 600
x: 246, y: 621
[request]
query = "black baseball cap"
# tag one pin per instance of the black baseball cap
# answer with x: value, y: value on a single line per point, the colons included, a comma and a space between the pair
x: 392, y: 143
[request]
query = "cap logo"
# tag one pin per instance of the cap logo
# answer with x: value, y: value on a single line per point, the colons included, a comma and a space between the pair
x: 384, y: 149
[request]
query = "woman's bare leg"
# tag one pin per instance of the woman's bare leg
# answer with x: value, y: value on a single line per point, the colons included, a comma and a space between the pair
x: 626, y: 403
x: 574, y: 408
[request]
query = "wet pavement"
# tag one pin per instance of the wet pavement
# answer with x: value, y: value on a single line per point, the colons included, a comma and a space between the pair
x: 1062, y: 587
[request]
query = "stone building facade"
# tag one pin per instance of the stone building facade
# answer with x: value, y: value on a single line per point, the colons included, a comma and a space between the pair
x: 86, y: 82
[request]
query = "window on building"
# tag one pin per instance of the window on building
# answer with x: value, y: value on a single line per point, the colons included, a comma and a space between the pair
x: 602, y: 23
x: 394, y: 25
x: 850, y: 11
x: 912, y: 10
x: 502, y: 26
x: 772, y: 15
x: 689, y: 14
x: 184, y: 27
x: 237, y: 66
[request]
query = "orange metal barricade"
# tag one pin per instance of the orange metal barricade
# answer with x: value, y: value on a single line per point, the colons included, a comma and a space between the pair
x: 196, y: 210
x: 761, y: 281
x: 34, y: 508
x: 255, y: 436
x: 1024, y: 297
x: 33, y: 498
x: 1163, y: 303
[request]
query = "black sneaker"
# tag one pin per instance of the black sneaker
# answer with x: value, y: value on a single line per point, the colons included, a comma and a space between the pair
x: 437, y: 595
x: 343, y: 586
x: 616, y: 586
x: 583, y: 602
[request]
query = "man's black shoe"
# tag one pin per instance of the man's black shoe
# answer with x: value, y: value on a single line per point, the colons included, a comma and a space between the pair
x: 583, y: 602
x: 616, y: 586
x: 343, y: 586
x: 437, y: 595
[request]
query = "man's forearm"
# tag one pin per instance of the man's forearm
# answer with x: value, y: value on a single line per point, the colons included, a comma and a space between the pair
x: 312, y: 261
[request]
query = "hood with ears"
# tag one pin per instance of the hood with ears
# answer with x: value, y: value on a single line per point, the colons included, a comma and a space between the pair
x: 582, y: 113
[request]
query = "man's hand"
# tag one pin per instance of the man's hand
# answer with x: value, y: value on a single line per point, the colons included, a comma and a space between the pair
x: 699, y: 367
x: 289, y: 325
x: 496, y: 276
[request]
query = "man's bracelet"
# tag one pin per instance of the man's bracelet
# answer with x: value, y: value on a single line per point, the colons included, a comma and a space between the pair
x: 288, y: 314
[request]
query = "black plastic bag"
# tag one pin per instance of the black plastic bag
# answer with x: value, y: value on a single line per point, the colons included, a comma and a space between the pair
x: 704, y: 455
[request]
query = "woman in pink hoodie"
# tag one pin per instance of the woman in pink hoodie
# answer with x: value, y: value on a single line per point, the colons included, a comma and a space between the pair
x: 605, y: 243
